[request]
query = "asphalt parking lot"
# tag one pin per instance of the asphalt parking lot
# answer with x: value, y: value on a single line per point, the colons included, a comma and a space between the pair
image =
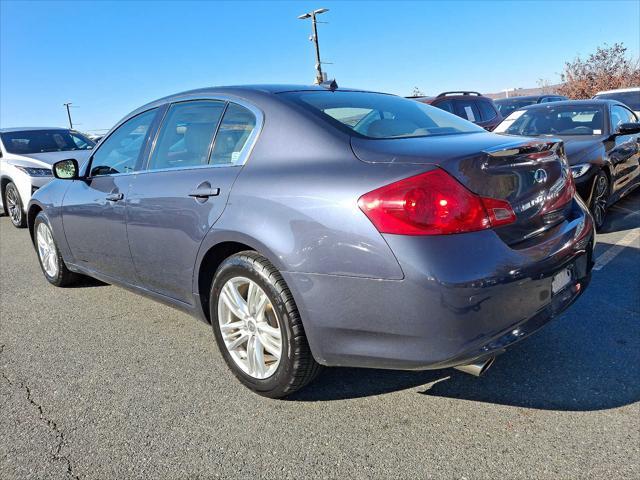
x: 96, y: 382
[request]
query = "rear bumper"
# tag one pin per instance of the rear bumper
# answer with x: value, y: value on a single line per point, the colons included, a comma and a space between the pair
x: 462, y: 297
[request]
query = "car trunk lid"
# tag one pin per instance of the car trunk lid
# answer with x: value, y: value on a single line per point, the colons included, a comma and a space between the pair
x: 531, y: 174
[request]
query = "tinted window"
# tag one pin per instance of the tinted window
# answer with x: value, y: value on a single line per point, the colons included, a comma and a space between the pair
x: 555, y: 120
x: 120, y: 151
x: 468, y: 109
x: 233, y: 134
x: 186, y: 134
x: 487, y: 111
x: 389, y: 116
x: 620, y: 115
x: 630, y: 99
x: 39, y: 141
x: 507, y: 105
x: 446, y: 105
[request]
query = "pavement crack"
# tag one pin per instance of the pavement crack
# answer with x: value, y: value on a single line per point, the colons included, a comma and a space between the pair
x: 51, y: 424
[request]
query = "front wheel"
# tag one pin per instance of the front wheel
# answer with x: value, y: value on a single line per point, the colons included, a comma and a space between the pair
x: 13, y: 204
x: 258, y: 328
x: 51, y: 262
x: 599, y: 199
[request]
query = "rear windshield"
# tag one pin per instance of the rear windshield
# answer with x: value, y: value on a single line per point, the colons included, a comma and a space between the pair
x: 376, y: 115
x: 630, y: 99
x: 40, y: 141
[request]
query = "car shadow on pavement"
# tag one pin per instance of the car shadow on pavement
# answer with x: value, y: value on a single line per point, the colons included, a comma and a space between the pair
x: 624, y: 214
x: 88, y: 282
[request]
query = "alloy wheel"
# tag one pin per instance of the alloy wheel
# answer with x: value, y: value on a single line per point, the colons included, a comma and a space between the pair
x: 250, y: 327
x: 600, y: 198
x: 13, y: 205
x: 47, y: 250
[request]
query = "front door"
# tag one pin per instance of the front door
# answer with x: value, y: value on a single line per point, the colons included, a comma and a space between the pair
x: 172, y: 205
x: 93, y: 209
x: 624, y: 152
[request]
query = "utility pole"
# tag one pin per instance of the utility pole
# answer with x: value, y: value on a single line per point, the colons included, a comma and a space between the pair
x: 314, y: 39
x: 68, y: 105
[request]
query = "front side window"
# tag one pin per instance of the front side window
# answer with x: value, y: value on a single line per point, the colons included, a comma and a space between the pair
x: 555, y: 120
x: 119, y: 153
x: 186, y: 135
x: 39, y: 141
x: 620, y: 115
x: 232, y: 138
x: 388, y: 116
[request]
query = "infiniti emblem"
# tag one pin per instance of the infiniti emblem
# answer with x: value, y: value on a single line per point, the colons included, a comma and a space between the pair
x: 540, y: 176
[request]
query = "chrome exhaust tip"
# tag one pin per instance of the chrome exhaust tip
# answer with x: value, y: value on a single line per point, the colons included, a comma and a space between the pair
x: 478, y: 367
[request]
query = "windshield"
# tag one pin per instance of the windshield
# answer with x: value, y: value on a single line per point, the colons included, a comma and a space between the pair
x: 376, y: 115
x: 630, y: 99
x: 555, y: 120
x: 40, y: 141
x: 508, y: 105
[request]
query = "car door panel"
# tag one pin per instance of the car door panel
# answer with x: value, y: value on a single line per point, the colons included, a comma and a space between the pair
x: 166, y: 225
x: 624, y: 153
x: 95, y: 226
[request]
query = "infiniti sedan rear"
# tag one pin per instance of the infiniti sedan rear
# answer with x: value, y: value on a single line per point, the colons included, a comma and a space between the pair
x: 314, y: 226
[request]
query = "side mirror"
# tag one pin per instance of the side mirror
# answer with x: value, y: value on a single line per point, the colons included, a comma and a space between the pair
x: 628, y: 128
x: 66, y: 169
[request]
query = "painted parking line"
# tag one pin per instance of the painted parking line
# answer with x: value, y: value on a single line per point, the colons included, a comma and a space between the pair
x: 616, y: 248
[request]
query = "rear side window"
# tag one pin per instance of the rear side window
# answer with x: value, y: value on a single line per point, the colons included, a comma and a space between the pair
x: 233, y: 135
x: 119, y: 153
x: 468, y: 110
x: 487, y: 111
x: 186, y: 135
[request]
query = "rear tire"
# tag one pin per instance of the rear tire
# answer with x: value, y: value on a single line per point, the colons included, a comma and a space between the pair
x: 250, y: 293
x: 13, y: 205
x: 599, y: 199
x: 51, y: 262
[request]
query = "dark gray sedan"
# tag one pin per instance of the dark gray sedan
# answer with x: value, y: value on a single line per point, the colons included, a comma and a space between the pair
x: 319, y: 226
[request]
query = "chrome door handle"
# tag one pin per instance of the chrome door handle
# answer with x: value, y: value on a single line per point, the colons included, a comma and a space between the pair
x: 202, y: 192
x: 114, y: 197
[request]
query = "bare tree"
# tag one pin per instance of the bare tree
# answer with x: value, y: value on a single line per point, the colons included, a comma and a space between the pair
x: 545, y: 86
x: 416, y: 92
x: 608, y: 68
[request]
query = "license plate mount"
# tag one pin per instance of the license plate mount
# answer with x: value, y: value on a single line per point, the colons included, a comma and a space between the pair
x: 560, y: 280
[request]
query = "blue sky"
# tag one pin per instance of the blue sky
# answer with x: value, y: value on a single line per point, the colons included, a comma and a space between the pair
x: 111, y: 57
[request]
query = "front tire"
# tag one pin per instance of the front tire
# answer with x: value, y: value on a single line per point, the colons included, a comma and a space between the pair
x: 258, y: 328
x: 51, y: 262
x: 13, y: 204
x: 599, y: 199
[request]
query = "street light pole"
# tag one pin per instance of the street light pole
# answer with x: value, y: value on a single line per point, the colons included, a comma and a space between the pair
x: 314, y: 39
x: 69, y: 114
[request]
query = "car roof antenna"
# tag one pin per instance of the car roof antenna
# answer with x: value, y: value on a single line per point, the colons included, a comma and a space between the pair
x: 330, y: 84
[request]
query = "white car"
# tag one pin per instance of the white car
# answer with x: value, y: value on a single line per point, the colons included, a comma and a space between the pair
x: 26, y: 156
x: 629, y: 96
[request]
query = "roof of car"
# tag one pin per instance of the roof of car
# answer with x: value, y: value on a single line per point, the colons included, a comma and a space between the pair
x: 620, y: 90
x: 530, y: 97
x: 29, y: 129
x: 596, y: 101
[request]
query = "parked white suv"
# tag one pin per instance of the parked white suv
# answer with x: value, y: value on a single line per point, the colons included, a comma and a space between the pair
x: 629, y: 96
x: 26, y: 156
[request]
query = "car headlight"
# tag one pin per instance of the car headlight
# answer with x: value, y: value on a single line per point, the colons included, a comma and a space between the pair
x: 580, y: 169
x: 35, y: 172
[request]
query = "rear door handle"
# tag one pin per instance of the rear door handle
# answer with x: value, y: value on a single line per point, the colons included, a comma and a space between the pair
x: 205, y: 192
x: 114, y: 197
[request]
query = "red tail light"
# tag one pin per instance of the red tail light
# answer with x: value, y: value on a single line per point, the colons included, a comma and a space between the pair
x: 432, y: 203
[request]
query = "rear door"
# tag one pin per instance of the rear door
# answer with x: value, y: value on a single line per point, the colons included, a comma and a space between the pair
x: 197, y: 155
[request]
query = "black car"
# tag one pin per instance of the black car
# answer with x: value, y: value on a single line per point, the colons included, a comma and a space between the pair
x: 508, y: 105
x: 601, y: 139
